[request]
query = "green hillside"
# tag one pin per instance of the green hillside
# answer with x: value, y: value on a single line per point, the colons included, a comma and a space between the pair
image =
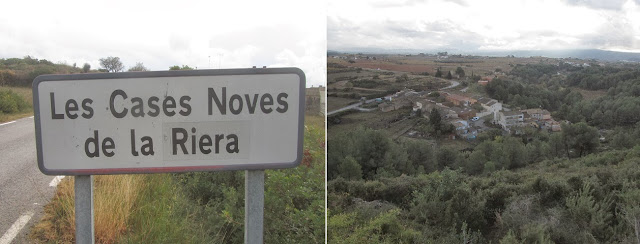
x: 22, y: 71
x: 579, y: 185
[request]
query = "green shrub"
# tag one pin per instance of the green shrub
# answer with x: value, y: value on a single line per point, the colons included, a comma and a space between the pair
x: 447, y: 201
x: 293, y: 198
x: 590, y: 214
x: 551, y: 192
x: 11, y: 102
x: 383, y: 227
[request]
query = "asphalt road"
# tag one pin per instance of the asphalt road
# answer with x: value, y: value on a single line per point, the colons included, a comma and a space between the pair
x: 453, y: 84
x: 24, y: 190
x: 352, y: 106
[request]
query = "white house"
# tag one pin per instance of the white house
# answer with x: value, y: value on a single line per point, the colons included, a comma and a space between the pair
x: 491, y: 106
x: 508, y: 119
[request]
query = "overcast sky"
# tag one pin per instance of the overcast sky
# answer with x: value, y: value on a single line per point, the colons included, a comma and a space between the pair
x: 484, y: 25
x: 234, y: 34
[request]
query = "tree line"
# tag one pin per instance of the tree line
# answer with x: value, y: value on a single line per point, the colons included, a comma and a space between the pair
x: 22, y: 71
x: 371, y: 154
x: 531, y: 86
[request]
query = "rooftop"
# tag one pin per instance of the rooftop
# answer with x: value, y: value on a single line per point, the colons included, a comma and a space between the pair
x: 459, y: 98
x: 511, y: 113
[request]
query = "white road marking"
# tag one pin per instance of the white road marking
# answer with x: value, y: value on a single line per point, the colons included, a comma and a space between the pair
x: 10, y: 122
x: 16, y: 227
x: 56, y: 180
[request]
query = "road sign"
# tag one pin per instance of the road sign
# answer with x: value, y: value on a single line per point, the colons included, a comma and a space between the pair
x: 169, y: 121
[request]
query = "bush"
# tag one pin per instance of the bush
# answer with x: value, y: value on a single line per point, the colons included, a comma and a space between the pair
x: 551, y: 192
x: 293, y: 200
x: 447, y: 201
x: 11, y: 102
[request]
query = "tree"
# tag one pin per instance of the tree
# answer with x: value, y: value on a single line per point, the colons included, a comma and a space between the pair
x: 447, y: 158
x: 630, y: 209
x: 475, y: 163
x: 580, y: 137
x: 350, y: 169
x: 420, y: 153
x: 512, y: 153
x: 184, y: 67
x: 138, y: 67
x: 435, y: 120
x: 438, y: 73
x: 449, y: 76
x: 112, y: 64
x: 8, y: 77
x: 556, y: 144
x: 460, y: 72
x: 86, y: 67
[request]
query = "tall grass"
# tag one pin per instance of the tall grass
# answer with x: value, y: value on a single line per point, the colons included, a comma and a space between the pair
x: 114, y: 199
x: 58, y: 221
x: 127, y: 209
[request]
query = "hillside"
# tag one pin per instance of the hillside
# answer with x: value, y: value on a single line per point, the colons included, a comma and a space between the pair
x: 399, y: 176
x: 22, y: 71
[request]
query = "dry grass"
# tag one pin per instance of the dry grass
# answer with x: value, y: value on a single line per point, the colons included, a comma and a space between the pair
x: 12, y: 117
x: 115, y: 197
x: 25, y: 92
x: 58, y: 220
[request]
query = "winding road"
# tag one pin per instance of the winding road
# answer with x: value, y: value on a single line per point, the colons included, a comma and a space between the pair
x: 358, y: 104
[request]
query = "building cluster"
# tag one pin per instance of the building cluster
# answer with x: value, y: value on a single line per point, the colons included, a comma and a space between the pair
x: 536, y: 118
x: 461, y: 111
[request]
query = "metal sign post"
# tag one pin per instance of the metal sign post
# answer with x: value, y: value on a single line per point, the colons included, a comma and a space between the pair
x: 84, y: 209
x: 253, y: 206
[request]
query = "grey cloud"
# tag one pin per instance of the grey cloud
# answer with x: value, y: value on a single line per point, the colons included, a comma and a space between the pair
x: 401, y: 35
x: 341, y: 33
x: 439, y: 26
x: 409, y: 3
x: 459, y: 2
x: 390, y: 4
x: 615, y: 33
x: 599, y: 4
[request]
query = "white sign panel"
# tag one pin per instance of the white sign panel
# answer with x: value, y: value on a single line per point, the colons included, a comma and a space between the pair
x: 169, y: 121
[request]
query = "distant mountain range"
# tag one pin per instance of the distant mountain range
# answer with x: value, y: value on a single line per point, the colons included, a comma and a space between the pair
x: 604, y: 55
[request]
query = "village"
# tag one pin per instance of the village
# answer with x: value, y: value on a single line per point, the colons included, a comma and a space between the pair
x: 460, y: 100
x: 469, y: 115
